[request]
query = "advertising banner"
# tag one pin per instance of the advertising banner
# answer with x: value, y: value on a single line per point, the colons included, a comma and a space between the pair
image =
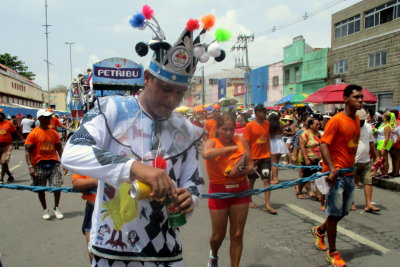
x: 117, y: 71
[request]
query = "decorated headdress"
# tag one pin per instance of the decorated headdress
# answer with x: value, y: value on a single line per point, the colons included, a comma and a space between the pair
x: 176, y: 63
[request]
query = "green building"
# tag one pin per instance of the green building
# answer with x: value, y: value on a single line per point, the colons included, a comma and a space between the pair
x: 304, y: 68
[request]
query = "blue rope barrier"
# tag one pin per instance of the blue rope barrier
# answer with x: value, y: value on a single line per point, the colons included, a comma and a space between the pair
x: 214, y: 195
x: 313, y: 167
x: 272, y: 187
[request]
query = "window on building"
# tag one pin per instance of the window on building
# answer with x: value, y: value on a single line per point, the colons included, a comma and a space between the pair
x: 297, y: 74
x: 239, y: 89
x: 377, y: 59
x: 213, y: 81
x: 385, y: 101
x: 275, y: 81
x: 347, y: 26
x: 341, y: 66
x: 382, y: 14
x: 287, y: 77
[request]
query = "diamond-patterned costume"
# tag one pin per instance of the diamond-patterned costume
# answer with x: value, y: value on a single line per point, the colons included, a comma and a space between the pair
x: 115, y: 133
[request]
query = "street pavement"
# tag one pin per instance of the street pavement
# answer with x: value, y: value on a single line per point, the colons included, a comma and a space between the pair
x: 270, y: 240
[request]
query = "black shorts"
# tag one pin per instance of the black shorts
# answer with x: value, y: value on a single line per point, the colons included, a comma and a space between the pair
x: 307, y: 172
x: 87, y: 219
x: 262, y: 169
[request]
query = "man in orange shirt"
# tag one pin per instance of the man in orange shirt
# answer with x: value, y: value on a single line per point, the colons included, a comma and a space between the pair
x: 256, y: 134
x: 6, y: 129
x: 339, y: 147
x: 41, y: 148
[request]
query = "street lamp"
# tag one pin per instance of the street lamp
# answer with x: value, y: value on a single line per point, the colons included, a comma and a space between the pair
x: 70, y: 55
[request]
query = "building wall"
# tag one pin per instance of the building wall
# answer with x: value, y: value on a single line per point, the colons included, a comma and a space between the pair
x: 259, y: 85
x: 295, y: 51
x: 16, y: 89
x: 59, y: 100
x: 356, y: 47
x: 275, y: 92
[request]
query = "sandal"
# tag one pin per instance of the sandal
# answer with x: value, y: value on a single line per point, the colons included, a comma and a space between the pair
x: 372, y: 209
x: 300, y: 196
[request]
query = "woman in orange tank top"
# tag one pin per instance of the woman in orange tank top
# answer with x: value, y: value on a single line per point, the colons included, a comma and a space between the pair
x: 228, y: 161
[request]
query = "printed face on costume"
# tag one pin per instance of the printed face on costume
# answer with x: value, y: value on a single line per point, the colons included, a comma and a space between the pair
x: 162, y: 97
x: 354, y: 100
x: 226, y: 131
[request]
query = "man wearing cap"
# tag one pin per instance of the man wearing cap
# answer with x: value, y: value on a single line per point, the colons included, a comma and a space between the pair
x: 363, y: 161
x: 43, y: 151
x: 125, y: 140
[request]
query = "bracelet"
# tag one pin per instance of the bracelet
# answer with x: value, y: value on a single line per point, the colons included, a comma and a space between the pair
x: 30, y: 166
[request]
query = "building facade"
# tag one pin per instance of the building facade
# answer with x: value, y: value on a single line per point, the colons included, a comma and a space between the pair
x: 58, y: 100
x: 275, y: 81
x: 16, y: 90
x: 365, y: 49
x: 304, y: 67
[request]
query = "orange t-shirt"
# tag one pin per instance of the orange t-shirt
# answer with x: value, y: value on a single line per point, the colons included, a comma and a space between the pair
x: 258, y: 137
x: 91, y: 197
x: 54, y: 123
x: 210, y: 126
x: 44, y: 141
x: 217, y: 167
x: 6, y: 128
x: 342, y: 134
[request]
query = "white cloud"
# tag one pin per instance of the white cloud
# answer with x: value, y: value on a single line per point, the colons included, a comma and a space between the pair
x: 123, y: 27
x: 279, y: 13
x: 92, y: 59
x: 79, y: 48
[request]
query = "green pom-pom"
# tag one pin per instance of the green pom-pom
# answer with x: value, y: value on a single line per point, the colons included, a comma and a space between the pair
x: 222, y: 35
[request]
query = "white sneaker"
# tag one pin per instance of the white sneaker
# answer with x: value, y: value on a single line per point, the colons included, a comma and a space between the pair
x: 58, y: 213
x: 46, y: 214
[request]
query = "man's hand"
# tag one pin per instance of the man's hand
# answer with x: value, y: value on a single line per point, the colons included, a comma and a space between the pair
x: 32, y: 171
x: 161, y: 184
x: 184, y: 201
x: 331, y: 179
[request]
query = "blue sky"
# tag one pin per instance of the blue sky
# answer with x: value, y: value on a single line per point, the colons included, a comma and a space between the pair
x: 100, y: 29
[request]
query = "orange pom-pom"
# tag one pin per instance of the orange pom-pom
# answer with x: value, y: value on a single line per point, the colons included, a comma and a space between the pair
x: 208, y: 21
x: 192, y: 24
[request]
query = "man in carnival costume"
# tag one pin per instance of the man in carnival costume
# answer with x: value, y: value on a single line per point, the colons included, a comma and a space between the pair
x: 123, y: 140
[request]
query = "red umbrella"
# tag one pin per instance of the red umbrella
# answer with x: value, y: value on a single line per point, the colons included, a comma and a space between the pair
x: 333, y: 94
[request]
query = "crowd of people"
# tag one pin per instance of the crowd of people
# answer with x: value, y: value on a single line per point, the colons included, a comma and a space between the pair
x: 300, y: 137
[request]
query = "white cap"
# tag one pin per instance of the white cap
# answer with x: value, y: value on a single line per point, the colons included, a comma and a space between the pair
x: 362, y: 114
x: 43, y: 112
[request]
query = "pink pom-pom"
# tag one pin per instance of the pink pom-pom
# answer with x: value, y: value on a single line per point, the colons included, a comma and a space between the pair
x: 160, y: 162
x: 147, y: 12
x: 192, y: 24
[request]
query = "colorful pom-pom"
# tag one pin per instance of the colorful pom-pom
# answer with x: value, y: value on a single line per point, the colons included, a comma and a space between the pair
x: 222, y: 35
x: 192, y: 24
x: 160, y: 162
x: 214, y: 50
x: 141, y: 49
x: 208, y: 21
x: 137, y: 21
x: 147, y: 12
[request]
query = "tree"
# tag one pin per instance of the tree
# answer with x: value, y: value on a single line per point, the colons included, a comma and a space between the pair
x: 59, y: 88
x: 17, y: 65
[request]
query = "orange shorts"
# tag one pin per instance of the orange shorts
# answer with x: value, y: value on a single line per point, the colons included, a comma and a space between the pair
x: 219, y: 204
x: 5, y: 153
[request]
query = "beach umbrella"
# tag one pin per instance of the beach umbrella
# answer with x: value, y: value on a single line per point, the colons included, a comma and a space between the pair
x: 199, y: 108
x: 182, y: 109
x: 333, y: 94
x: 227, y: 101
x: 295, y: 98
x: 241, y: 107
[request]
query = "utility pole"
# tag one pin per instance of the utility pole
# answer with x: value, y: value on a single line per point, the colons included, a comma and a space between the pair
x: 203, y: 91
x: 242, y: 44
x: 47, y: 48
x: 70, y: 55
